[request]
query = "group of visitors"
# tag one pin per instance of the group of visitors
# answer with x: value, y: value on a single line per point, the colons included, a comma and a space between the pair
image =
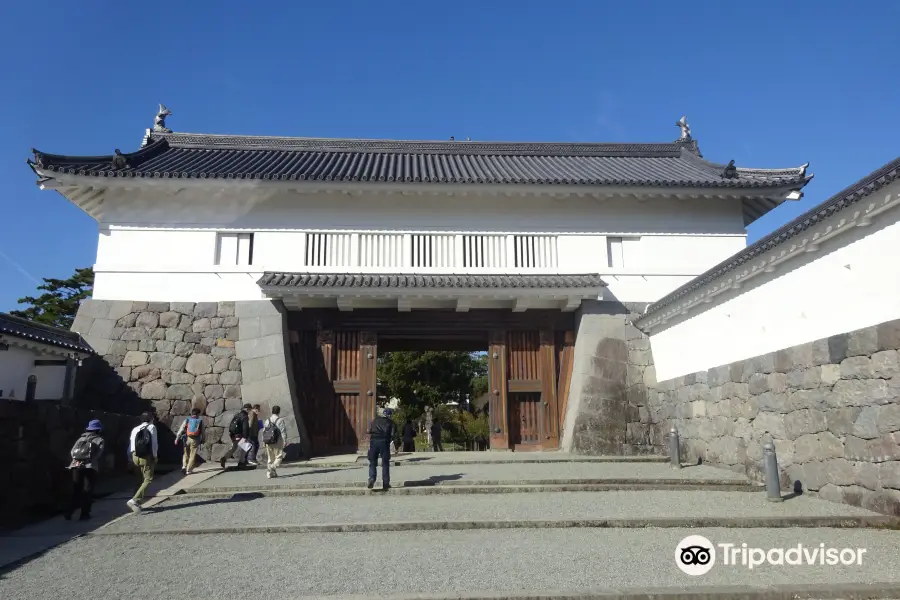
x: 409, y: 433
x: 245, y: 431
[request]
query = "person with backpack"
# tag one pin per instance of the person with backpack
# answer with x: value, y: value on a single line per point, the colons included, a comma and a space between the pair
x: 191, y: 433
x: 144, y: 452
x: 273, y: 436
x: 85, y: 464
x: 253, y: 429
x: 381, y: 432
x: 239, y: 431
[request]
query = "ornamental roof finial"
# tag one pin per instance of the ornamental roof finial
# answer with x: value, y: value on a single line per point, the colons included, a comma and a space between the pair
x: 685, y: 130
x: 159, y: 123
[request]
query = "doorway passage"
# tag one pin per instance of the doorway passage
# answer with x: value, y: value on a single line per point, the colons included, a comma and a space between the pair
x: 335, y: 363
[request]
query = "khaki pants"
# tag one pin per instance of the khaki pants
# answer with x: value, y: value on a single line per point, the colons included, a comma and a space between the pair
x: 191, y: 445
x: 147, y: 466
x: 274, y: 455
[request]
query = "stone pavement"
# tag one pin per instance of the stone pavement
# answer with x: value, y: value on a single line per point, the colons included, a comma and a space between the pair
x: 379, y: 544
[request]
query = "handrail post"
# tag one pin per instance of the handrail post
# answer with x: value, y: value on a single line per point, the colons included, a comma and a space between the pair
x: 674, y: 448
x: 773, y: 483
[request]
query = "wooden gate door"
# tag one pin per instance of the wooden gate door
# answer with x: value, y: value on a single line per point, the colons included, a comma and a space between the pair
x: 523, y: 390
x: 337, y: 382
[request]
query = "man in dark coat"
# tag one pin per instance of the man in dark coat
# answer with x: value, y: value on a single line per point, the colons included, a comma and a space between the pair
x: 409, y: 435
x: 381, y: 432
x: 436, y: 437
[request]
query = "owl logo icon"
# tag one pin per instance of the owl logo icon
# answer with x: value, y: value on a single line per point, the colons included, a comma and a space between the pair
x: 695, y: 555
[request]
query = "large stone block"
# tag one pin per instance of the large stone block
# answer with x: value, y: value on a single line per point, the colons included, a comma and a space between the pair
x: 771, y: 423
x: 840, y: 471
x: 811, y: 475
x: 860, y: 392
x: 134, y: 358
x: 886, y: 364
x: 884, y: 448
x: 199, y: 364
x: 803, y: 422
x: 889, y: 418
x: 255, y: 308
x: 866, y: 424
x: 819, y: 446
x: 148, y: 320
x: 857, y: 367
x: 206, y: 309
x: 758, y: 383
x: 154, y: 390
x: 163, y: 360
x: 888, y: 335
x: 273, y: 344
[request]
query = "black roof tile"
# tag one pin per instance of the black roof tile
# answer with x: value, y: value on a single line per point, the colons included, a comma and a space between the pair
x: 45, y: 334
x: 185, y: 155
x: 359, y: 280
x: 843, y: 199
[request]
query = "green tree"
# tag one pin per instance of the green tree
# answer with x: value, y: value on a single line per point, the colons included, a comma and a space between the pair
x: 420, y: 379
x: 59, y: 302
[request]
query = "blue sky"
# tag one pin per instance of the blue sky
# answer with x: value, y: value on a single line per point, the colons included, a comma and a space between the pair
x: 769, y: 84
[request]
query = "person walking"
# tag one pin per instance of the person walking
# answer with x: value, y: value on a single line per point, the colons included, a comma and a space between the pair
x: 239, y: 431
x: 191, y: 434
x: 381, y: 432
x: 144, y: 448
x: 86, y: 453
x: 409, y: 436
x: 437, y: 446
x: 253, y: 430
x: 273, y: 436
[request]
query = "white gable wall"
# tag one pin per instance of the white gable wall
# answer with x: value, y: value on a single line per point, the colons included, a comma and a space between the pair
x: 17, y: 364
x: 161, y: 248
x: 852, y: 281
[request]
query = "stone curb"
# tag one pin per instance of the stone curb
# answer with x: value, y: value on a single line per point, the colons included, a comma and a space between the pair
x: 689, y: 522
x: 849, y: 591
x: 666, y: 483
x: 460, y: 489
x: 522, y: 461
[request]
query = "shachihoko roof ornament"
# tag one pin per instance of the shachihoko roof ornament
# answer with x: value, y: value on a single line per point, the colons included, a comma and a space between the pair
x: 685, y: 130
x: 159, y: 123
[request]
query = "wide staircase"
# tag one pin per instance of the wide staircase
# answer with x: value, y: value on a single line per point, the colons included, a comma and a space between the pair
x: 471, y: 525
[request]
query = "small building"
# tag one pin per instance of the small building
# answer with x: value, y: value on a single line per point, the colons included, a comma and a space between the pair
x: 38, y: 362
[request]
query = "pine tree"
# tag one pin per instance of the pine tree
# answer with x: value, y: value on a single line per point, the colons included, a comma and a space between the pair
x: 59, y: 302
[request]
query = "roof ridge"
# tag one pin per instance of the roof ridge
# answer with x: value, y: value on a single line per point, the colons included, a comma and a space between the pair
x: 37, y: 325
x: 870, y: 183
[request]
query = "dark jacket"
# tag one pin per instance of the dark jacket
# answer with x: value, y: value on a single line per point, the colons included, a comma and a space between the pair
x: 409, y: 432
x: 381, y: 429
x: 245, y: 425
x: 253, y: 426
x: 436, y: 430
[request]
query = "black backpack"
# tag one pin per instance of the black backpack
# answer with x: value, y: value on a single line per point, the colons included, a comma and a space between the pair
x: 143, y: 443
x: 271, y: 434
x: 237, y: 424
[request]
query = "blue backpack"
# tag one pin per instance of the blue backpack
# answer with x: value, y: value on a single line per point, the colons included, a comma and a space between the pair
x: 194, y: 425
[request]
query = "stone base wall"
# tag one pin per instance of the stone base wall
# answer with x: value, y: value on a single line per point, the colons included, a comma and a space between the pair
x: 831, y: 407
x: 608, y: 391
x: 172, y: 357
x: 35, y: 441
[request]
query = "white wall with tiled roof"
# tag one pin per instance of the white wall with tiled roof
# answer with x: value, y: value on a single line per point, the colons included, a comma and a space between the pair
x: 186, y: 248
x: 839, y: 276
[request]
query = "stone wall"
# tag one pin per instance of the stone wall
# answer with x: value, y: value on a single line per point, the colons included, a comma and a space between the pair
x: 180, y: 355
x: 832, y: 408
x: 608, y: 390
x: 35, y: 441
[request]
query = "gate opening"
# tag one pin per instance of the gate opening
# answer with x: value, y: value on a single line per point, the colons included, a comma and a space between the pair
x: 522, y: 365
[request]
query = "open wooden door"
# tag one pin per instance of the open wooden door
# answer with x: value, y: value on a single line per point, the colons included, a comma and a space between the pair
x: 497, y: 378
x: 532, y: 390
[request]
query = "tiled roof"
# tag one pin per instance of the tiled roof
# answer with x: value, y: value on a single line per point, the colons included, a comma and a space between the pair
x: 185, y: 155
x: 45, y: 334
x: 843, y: 199
x: 357, y: 280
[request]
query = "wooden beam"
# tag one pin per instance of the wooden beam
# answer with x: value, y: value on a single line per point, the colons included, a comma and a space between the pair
x: 463, y: 304
x: 345, y: 304
x: 571, y: 303
x: 499, y: 418
x: 521, y: 305
x: 404, y: 304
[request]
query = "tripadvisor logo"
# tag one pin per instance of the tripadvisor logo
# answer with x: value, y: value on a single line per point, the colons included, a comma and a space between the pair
x: 696, y: 555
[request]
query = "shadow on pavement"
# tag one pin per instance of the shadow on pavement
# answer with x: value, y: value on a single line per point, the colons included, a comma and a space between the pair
x: 433, y: 480
x: 239, y: 497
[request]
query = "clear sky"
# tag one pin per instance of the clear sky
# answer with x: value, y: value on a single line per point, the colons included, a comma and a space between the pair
x: 768, y: 84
